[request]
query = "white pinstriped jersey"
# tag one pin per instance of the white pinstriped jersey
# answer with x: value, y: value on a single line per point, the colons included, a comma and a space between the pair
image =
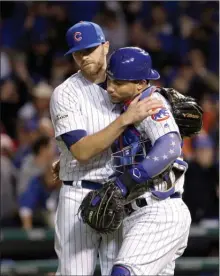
x: 78, y: 104
x: 154, y: 127
x: 155, y: 235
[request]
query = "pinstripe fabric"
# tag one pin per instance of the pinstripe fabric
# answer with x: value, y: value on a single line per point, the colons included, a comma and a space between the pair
x: 80, y: 104
x: 153, y: 129
x: 154, y: 236
x: 76, y: 244
x: 76, y: 253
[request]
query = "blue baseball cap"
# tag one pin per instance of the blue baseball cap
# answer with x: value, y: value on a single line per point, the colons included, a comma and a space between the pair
x: 84, y: 35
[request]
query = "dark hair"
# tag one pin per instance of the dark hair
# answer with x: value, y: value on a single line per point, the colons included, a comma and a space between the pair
x: 137, y: 81
x: 42, y: 141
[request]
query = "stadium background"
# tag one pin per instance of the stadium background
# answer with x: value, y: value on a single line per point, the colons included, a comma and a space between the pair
x: 183, y: 39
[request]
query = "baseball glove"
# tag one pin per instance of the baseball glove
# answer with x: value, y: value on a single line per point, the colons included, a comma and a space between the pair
x: 103, y: 210
x: 187, y: 113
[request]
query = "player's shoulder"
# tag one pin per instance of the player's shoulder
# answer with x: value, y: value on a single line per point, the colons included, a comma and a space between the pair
x: 68, y: 87
x: 158, y: 95
x: 152, y: 91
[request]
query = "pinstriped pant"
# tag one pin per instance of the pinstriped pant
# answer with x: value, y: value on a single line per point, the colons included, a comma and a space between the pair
x: 77, y: 245
x: 154, y: 237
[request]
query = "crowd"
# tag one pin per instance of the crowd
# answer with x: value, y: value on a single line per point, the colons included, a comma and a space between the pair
x: 182, y: 38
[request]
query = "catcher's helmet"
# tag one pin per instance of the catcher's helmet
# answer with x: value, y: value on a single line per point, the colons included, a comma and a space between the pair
x: 84, y: 35
x: 131, y: 63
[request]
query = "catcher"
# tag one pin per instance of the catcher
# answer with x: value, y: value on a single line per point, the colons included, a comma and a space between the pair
x: 136, y: 172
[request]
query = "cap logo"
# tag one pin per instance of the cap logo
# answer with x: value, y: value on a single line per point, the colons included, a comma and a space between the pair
x: 77, y: 36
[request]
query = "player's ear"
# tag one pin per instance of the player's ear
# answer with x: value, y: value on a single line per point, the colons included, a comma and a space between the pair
x: 141, y: 85
x: 106, y: 47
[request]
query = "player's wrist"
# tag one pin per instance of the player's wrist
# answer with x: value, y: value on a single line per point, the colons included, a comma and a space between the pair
x: 125, y: 120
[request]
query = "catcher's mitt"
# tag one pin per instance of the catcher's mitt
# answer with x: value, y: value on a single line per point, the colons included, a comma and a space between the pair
x: 103, y: 210
x: 187, y: 113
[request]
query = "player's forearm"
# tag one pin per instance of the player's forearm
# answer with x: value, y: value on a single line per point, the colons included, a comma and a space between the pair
x: 92, y: 145
x: 164, y: 152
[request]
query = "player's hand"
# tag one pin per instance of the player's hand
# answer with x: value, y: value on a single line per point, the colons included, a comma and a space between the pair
x: 139, y: 110
x: 55, y: 171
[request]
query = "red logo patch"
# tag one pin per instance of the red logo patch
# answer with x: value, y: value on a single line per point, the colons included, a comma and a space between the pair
x: 77, y: 36
x: 162, y: 115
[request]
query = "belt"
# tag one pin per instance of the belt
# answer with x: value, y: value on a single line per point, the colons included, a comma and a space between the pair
x: 85, y: 184
x: 142, y: 202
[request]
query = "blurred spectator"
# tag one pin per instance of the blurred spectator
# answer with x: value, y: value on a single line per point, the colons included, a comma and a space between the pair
x: 22, y: 74
x: 193, y: 77
x: 160, y: 27
x: 38, y: 202
x: 58, y: 24
x: 133, y: 10
x: 14, y: 93
x: 204, y: 80
x: 43, y: 153
x: 5, y: 66
x: 201, y: 184
x: 62, y: 68
x: 8, y: 183
x: 9, y: 97
x: 46, y: 127
x: 183, y: 77
x: 28, y: 132
x: 114, y: 25
x: 39, y: 106
x: 39, y: 58
x: 210, y: 113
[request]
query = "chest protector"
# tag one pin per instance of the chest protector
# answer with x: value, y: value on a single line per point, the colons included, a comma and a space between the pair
x: 129, y: 149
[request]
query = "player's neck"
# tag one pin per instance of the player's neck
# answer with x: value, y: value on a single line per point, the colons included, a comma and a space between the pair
x: 140, y: 91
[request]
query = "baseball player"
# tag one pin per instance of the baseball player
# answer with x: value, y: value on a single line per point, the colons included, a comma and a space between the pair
x: 86, y: 123
x: 149, y: 168
x: 156, y: 231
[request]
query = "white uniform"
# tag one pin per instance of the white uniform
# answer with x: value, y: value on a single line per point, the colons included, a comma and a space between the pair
x: 78, y: 104
x: 155, y: 235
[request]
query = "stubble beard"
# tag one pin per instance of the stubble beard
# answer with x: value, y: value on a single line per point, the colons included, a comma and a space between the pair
x: 96, y: 69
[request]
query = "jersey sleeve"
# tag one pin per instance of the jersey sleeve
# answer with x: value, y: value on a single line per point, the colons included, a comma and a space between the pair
x: 66, y: 112
x: 159, y: 124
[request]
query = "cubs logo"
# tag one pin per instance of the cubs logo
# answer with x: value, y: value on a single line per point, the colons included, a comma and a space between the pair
x: 77, y: 36
x: 162, y: 115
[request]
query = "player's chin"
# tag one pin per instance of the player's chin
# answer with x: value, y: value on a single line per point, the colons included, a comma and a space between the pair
x: 114, y: 100
x: 91, y: 69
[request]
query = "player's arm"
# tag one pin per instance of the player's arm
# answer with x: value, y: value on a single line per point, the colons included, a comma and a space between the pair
x: 163, y: 132
x: 164, y: 152
x: 91, y: 145
x: 73, y: 129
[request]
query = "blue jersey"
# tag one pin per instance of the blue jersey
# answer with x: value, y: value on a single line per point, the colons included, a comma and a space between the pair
x: 35, y: 196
